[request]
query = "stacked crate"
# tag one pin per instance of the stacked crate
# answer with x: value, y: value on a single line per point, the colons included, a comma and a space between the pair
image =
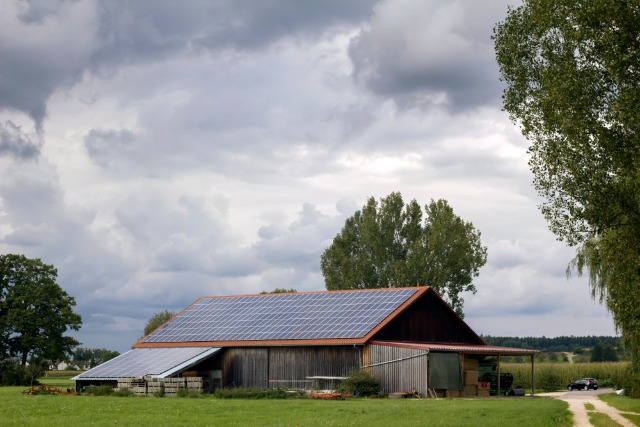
x: 137, y: 386
x: 194, y: 384
x: 171, y: 386
x: 470, y: 377
x: 155, y: 385
x: 168, y: 386
x: 124, y: 383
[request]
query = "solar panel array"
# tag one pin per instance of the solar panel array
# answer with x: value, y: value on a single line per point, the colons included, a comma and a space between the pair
x: 327, y: 315
x: 143, y: 361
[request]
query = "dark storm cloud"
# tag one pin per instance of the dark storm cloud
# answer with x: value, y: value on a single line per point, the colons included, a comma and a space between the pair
x: 430, y: 54
x: 247, y: 24
x: 18, y: 144
x: 49, y: 45
x: 105, y: 145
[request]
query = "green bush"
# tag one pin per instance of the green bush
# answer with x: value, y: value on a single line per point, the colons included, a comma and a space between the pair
x: 15, y: 374
x: 630, y: 382
x: 99, y: 390
x: 253, y: 393
x: 360, y: 383
x: 123, y: 392
x: 185, y: 392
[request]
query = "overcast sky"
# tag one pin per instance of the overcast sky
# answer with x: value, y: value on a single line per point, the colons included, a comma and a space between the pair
x: 159, y: 151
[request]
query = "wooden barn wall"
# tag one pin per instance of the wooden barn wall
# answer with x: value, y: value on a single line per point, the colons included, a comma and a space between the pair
x: 398, y: 369
x: 289, y: 367
x: 245, y: 367
x: 428, y: 320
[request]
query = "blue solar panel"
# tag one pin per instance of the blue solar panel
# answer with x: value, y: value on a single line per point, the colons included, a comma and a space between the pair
x: 282, y: 316
x: 146, y: 361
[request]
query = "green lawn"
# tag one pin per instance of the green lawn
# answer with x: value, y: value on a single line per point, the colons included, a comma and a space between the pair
x: 17, y: 409
x: 60, y: 382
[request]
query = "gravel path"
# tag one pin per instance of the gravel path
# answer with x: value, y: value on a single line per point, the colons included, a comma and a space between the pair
x: 577, y: 399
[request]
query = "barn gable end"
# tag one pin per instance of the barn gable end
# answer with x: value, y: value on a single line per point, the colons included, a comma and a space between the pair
x: 428, y: 319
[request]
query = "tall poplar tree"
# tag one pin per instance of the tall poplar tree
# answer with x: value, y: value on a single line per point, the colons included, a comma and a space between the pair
x: 387, y: 244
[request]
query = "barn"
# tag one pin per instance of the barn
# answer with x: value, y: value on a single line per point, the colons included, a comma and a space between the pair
x: 408, y: 338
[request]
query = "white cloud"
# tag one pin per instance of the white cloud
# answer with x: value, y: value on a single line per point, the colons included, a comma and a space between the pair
x: 211, y: 159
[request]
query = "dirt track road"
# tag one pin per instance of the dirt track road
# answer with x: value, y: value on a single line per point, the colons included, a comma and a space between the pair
x: 576, y: 400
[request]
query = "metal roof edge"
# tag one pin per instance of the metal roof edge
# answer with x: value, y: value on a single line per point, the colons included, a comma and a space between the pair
x: 263, y: 343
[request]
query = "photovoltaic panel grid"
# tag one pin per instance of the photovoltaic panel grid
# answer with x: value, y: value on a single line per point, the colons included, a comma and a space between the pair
x: 144, y: 361
x: 325, y: 315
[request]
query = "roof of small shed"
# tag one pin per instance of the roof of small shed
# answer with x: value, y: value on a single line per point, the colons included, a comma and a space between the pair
x: 460, y: 348
x: 152, y: 362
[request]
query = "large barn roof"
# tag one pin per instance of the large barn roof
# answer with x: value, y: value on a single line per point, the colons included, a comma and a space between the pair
x: 302, y: 318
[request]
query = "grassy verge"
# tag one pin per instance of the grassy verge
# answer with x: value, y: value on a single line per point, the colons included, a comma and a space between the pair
x: 598, y: 419
x: 621, y: 403
x: 635, y: 419
x: 17, y: 409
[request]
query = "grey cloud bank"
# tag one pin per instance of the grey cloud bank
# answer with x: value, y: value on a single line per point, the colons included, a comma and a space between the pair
x: 155, y: 152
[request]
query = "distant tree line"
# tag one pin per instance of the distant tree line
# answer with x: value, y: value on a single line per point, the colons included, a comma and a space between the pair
x: 556, y: 344
x: 95, y: 356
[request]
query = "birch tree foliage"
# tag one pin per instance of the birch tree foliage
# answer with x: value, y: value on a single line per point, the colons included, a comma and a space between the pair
x: 572, y: 74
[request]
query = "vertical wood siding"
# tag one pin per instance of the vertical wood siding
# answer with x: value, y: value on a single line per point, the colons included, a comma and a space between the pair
x: 397, y: 369
x: 428, y: 320
x: 290, y: 366
x: 286, y: 366
x: 246, y: 367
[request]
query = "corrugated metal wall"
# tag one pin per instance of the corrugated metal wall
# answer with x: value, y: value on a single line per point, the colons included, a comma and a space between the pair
x: 286, y: 366
x: 398, y: 369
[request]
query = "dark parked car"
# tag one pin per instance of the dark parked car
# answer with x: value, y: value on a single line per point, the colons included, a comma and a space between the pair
x: 583, y: 384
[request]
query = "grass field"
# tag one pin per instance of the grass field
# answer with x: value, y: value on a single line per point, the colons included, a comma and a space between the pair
x: 18, y: 409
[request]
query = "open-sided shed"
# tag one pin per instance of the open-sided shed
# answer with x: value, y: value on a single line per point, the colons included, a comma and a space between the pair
x: 409, y: 338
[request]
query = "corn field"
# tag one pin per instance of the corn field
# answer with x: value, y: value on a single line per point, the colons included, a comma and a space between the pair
x: 556, y: 376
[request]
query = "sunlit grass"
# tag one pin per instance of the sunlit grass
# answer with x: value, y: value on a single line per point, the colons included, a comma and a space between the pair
x: 598, y: 419
x: 17, y: 409
x: 60, y: 382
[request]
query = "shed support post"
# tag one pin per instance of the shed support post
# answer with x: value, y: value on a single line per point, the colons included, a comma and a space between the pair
x: 498, y: 368
x: 533, y: 377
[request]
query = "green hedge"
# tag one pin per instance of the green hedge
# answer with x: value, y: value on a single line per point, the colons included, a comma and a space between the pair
x: 254, y: 393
